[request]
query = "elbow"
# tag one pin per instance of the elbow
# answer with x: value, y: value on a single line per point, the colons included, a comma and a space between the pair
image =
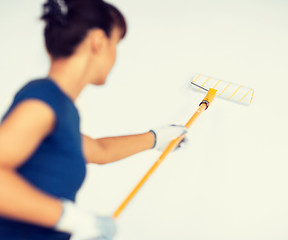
x: 104, y: 158
x: 100, y: 161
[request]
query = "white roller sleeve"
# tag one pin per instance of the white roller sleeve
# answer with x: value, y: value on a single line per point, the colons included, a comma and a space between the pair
x: 227, y: 90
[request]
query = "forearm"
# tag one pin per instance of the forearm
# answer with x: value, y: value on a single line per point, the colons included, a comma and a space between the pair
x: 117, y: 148
x: 21, y: 201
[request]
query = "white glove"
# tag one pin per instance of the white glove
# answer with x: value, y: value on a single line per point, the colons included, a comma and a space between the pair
x: 164, y: 135
x: 84, y: 225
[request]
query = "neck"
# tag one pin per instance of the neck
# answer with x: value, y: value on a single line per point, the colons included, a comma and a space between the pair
x: 69, y: 75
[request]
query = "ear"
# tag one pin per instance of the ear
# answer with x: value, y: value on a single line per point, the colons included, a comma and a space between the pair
x: 98, y: 40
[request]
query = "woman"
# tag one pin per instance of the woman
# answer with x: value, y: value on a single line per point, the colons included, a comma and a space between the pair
x: 42, y: 152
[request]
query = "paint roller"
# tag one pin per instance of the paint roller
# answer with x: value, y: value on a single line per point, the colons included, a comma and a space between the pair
x: 214, y: 87
x: 226, y: 90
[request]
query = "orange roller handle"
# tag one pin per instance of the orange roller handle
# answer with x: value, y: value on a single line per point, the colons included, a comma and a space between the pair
x: 172, y: 145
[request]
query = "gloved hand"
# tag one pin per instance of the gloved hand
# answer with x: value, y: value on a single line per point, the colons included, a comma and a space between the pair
x: 84, y: 225
x: 164, y: 135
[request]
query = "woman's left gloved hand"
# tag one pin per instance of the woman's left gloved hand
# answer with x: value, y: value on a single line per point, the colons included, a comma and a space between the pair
x: 83, y: 224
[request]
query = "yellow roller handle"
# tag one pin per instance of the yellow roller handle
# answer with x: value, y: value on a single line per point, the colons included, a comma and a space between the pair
x: 173, y: 144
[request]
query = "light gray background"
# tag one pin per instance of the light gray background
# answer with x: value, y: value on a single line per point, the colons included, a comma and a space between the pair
x: 230, y: 182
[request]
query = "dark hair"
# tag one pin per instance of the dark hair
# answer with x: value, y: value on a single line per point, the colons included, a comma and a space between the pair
x: 68, y: 21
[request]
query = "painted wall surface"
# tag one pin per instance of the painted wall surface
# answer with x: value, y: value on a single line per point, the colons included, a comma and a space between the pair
x: 230, y: 182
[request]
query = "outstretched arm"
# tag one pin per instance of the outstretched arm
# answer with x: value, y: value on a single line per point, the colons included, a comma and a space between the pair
x: 107, y: 150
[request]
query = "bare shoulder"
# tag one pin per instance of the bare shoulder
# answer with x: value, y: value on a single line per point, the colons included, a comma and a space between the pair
x: 23, y: 130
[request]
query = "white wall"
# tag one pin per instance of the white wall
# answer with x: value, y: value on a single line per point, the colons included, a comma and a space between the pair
x: 231, y: 181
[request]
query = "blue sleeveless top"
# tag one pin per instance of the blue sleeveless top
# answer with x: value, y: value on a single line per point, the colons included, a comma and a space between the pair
x: 57, y: 167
